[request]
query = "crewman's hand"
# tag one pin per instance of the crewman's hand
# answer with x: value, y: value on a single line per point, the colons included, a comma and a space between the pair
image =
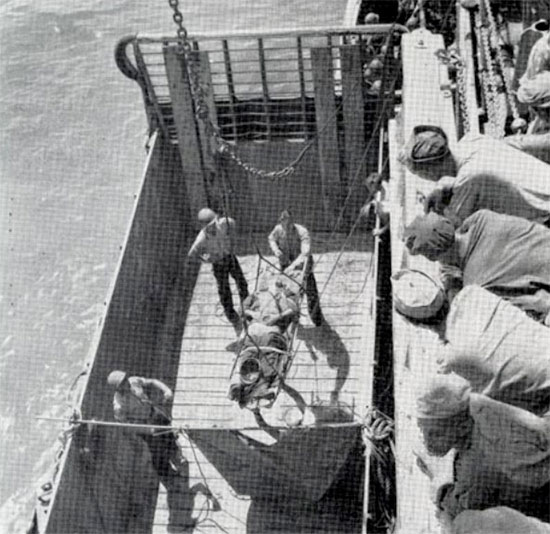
x: 377, y: 427
x: 368, y: 209
x: 439, y: 493
x: 438, y: 200
x: 298, y: 262
x: 271, y: 320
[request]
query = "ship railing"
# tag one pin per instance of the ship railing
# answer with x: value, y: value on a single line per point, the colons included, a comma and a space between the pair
x: 426, y: 99
x: 262, y: 83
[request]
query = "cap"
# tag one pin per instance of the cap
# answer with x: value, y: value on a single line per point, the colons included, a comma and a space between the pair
x: 206, y: 215
x: 429, y: 235
x: 417, y: 295
x: 371, y: 18
x: 427, y: 143
x: 443, y: 396
x: 116, y: 378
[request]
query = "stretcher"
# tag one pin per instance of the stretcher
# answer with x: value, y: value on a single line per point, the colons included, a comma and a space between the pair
x: 265, y: 348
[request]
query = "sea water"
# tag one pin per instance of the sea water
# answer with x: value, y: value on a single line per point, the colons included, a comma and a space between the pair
x: 72, y: 151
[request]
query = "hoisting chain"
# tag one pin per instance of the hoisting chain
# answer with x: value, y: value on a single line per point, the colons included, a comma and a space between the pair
x: 452, y: 58
x: 500, y: 60
x: 202, y: 111
x: 489, y: 83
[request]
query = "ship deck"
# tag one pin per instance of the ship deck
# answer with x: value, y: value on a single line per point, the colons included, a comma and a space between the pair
x: 333, y: 362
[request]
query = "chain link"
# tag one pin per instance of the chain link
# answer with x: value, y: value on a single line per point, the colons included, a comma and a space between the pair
x: 501, y: 62
x: 461, y: 88
x: 452, y: 58
x: 495, y: 114
x: 202, y: 111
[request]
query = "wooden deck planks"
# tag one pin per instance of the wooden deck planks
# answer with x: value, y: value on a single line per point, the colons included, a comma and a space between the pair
x: 333, y: 362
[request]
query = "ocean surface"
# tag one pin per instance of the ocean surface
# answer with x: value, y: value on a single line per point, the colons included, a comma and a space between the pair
x: 72, y: 151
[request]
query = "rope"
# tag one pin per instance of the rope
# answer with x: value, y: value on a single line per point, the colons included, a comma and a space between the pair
x: 71, y: 402
x: 500, y: 60
x: 363, y: 158
x: 185, y: 428
x: 192, y: 445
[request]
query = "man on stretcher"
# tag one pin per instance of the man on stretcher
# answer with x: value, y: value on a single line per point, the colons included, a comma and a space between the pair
x: 265, y: 342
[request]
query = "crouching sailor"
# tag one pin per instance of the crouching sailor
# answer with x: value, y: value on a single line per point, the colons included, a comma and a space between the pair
x: 503, y: 355
x: 479, y: 173
x: 503, y: 452
x: 496, y: 347
x: 147, y: 401
x: 507, y: 255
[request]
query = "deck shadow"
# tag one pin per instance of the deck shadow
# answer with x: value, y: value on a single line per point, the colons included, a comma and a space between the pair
x: 339, y: 510
x: 325, y: 341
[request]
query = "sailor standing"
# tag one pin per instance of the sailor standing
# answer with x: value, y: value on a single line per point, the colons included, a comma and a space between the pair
x: 214, y: 245
x: 291, y: 243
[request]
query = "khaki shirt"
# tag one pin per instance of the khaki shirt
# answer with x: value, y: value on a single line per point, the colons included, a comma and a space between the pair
x: 144, y: 402
x: 509, y: 256
x: 499, y: 519
x: 502, y: 352
x: 213, y: 247
x: 288, y: 246
x: 507, y: 460
x: 495, y: 176
x: 536, y: 144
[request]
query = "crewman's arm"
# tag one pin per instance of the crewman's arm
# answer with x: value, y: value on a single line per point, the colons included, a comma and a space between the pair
x: 197, y: 248
x: 305, y: 246
x: 530, y: 425
x: 273, y: 242
x: 537, y: 145
x: 305, y: 241
x: 159, y: 386
x: 463, y: 202
x: 440, y: 196
x: 291, y: 311
x: 231, y: 230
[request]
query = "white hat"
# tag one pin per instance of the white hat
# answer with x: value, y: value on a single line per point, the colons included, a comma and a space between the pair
x: 417, y: 295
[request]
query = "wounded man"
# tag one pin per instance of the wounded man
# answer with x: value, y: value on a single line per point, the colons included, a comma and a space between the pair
x: 264, y: 345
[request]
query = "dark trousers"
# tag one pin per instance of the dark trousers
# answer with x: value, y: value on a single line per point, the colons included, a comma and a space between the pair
x: 312, y: 294
x: 164, y: 448
x: 222, y: 269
